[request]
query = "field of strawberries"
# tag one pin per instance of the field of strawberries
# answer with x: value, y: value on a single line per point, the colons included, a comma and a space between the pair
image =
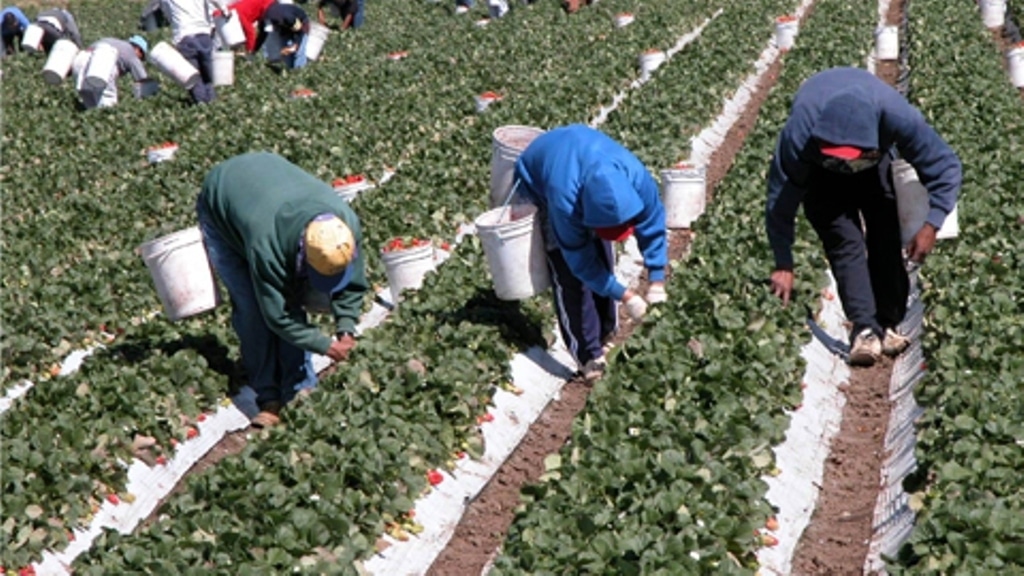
x: 663, y: 473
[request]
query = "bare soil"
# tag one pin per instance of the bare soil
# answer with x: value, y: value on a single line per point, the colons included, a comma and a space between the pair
x: 484, y: 526
x: 836, y: 540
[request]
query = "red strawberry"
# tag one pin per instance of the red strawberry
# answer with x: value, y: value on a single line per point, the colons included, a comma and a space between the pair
x: 201, y: 418
x: 27, y: 571
x: 191, y: 433
x: 161, y: 460
x: 434, y: 477
x: 113, y: 499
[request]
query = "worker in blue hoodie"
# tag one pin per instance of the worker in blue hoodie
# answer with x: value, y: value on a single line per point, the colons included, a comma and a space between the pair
x: 834, y: 156
x: 591, y: 192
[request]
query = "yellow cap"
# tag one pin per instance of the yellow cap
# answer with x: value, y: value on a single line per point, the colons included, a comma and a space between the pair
x: 329, y: 245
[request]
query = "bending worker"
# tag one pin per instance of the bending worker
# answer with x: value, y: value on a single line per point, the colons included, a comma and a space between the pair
x: 273, y: 232
x: 131, y: 57
x: 58, y: 23
x: 834, y: 155
x: 591, y: 192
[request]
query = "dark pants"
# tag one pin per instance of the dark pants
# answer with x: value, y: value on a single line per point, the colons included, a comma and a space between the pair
x: 867, y: 261
x: 584, y: 318
x: 198, y: 50
x: 50, y: 35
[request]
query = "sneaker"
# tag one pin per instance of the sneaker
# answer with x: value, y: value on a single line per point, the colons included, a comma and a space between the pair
x: 866, y: 349
x: 268, y: 415
x: 894, y: 343
x: 594, y: 369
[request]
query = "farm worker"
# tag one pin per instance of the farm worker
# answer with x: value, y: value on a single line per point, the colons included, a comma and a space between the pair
x: 351, y: 12
x: 590, y: 191
x: 191, y: 32
x: 131, y: 54
x: 249, y: 12
x: 272, y: 231
x: 58, y: 23
x: 292, y: 25
x: 12, y: 24
x: 834, y: 155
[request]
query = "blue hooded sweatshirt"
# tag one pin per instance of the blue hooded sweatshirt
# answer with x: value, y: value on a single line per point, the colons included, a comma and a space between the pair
x: 585, y: 180
x: 852, y: 107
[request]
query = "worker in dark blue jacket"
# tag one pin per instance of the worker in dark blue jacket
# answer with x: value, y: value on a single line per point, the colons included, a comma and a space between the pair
x: 13, y: 23
x: 834, y: 155
x: 593, y: 192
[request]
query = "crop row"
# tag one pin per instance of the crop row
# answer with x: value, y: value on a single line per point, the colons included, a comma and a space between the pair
x: 969, y: 450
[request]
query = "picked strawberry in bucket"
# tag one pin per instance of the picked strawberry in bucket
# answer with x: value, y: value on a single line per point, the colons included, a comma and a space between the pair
x: 302, y: 94
x: 349, y: 186
x: 161, y: 152
x: 406, y: 261
x: 398, y: 55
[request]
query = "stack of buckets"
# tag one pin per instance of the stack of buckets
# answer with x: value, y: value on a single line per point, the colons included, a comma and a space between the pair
x: 182, y: 274
x: 684, y: 194
x: 173, y: 64
x: 58, y: 64
x: 230, y: 36
x: 511, y: 234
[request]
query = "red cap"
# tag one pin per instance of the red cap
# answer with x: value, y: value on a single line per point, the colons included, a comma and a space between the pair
x: 615, y: 233
x: 841, y: 152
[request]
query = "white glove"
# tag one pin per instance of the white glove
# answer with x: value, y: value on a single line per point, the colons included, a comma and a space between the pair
x: 636, y: 307
x: 656, y: 293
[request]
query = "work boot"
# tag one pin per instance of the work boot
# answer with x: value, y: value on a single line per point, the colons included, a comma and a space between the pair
x: 268, y: 416
x: 866, y: 349
x: 894, y: 343
x: 594, y: 369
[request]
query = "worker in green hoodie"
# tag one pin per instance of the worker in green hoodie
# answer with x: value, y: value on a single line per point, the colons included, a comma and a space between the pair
x: 274, y: 232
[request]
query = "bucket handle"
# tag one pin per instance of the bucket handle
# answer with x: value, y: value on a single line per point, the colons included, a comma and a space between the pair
x: 508, y: 201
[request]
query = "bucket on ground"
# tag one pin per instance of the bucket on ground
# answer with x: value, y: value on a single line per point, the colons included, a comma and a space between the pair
x: 650, y: 60
x: 182, y: 274
x: 497, y: 8
x: 58, y: 64
x: 993, y: 12
x: 174, y: 65
x: 32, y: 38
x: 912, y: 204
x: 623, y: 19
x: 887, y: 43
x: 785, y: 31
x: 318, y: 34
x: 684, y: 194
x: 508, y: 142
x: 514, y: 246
x: 1015, y: 63
x: 223, y: 68
x: 229, y: 30
x: 100, y: 68
x: 406, y: 267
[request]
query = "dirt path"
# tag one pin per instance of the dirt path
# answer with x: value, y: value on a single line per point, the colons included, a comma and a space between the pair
x: 485, y: 524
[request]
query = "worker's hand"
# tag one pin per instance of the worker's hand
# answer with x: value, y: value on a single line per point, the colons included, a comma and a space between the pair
x: 341, y: 347
x: 636, y: 306
x: 782, y: 284
x: 921, y: 244
x: 656, y: 293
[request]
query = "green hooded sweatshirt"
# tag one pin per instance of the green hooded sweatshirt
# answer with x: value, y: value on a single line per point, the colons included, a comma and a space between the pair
x: 261, y: 204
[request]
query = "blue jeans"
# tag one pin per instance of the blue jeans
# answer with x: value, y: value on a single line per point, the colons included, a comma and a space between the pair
x: 357, y: 20
x: 298, y: 60
x: 276, y: 369
x: 198, y: 50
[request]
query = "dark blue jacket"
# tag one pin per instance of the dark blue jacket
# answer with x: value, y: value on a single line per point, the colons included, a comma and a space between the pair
x: 584, y: 180
x: 852, y: 107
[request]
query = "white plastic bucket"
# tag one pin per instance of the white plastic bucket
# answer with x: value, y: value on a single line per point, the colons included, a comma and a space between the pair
x: 514, y: 247
x: 684, y: 194
x: 405, y: 269
x: 229, y: 30
x: 623, y: 19
x: 80, y: 61
x: 182, y: 273
x: 508, y: 142
x: 649, y: 62
x: 317, y: 38
x: 62, y: 55
x: 100, y: 69
x: 887, y: 43
x: 993, y: 13
x: 32, y: 39
x: 1015, y: 63
x: 223, y: 68
x: 484, y: 100
x: 786, y: 28
x: 174, y: 65
x: 497, y: 8
x: 912, y: 204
